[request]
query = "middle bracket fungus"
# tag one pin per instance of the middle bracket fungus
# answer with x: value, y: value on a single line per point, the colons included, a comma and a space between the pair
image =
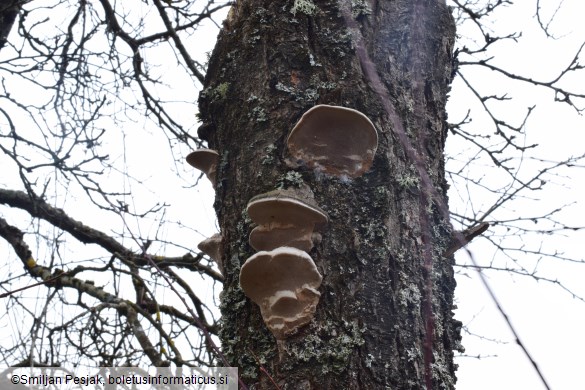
x: 337, y: 140
x: 284, y: 283
x: 284, y: 219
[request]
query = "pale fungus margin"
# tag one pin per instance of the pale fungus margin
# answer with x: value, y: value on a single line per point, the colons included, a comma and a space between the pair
x: 285, y: 206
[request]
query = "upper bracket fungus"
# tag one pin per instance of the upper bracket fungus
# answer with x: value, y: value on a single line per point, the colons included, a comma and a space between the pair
x: 284, y: 283
x: 284, y: 219
x: 206, y: 161
x: 339, y: 141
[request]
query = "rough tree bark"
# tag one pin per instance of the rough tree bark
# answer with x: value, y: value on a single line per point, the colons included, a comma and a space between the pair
x: 385, y: 317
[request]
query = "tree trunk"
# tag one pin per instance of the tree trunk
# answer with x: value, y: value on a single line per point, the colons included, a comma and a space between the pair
x: 384, y: 319
x: 8, y: 11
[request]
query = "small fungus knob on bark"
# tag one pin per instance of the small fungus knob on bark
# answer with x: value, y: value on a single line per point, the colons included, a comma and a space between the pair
x: 337, y: 140
x: 212, y: 248
x: 284, y: 219
x: 284, y: 283
x: 206, y: 161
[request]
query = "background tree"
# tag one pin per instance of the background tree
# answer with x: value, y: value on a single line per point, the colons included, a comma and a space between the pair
x: 76, y: 74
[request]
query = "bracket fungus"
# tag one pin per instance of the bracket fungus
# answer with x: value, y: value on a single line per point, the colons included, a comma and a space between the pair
x: 284, y: 219
x: 284, y: 283
x: 212, y: 248
x: 206, y: 161
x: 275, y: 235
x: 337, y: 140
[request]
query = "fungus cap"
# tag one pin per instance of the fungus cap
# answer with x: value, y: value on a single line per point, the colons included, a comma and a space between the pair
x: 212, y: 248
x: 206, y: 161
x: 339, y: 141
x: 276, y: 235
x: 281, y: 207
x: 267, y: 272
x: 283, y: 282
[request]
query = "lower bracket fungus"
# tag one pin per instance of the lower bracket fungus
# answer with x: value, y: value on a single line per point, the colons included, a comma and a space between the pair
x: 284, y: 283
x: 337, y: 140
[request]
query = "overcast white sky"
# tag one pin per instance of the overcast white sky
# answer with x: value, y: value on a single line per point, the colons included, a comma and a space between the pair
x: 549, y: 321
